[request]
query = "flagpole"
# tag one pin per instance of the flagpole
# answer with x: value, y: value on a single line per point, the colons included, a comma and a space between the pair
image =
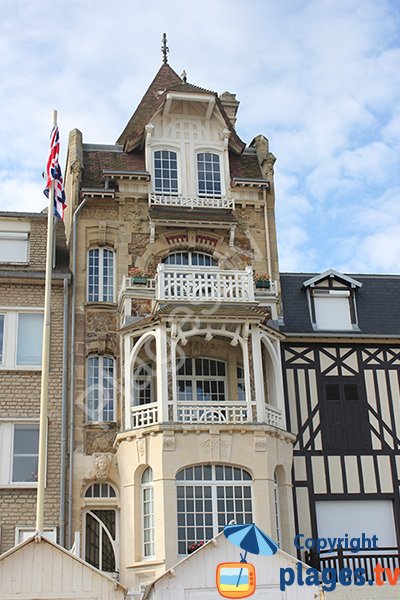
x: 44, y: 390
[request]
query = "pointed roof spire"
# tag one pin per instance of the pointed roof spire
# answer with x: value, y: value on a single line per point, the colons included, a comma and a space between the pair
x: 164, y: 48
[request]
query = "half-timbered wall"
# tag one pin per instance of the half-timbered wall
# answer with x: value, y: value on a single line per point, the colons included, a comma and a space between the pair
x: 343, y: 404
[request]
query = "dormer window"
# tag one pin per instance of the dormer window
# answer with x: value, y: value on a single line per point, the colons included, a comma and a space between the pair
x: 165, y: 172
x: 332, y: 303
x: 209, y: 175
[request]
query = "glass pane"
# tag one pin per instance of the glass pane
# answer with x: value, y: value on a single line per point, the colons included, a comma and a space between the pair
x: 1, y: 337
x: 92, y: 541
x: 29, y: 344
x: 25, y: 453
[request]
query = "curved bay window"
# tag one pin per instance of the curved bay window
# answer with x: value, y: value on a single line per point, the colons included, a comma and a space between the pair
x: 165, y: 172
x: 196, y: 259
x: 208, y: 497
x: 148, y: 512
x: 201, y: 380
x: 101, y: 528
x: 209, y: 175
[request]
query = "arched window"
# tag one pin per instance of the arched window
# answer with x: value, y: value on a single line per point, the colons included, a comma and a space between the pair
x: 209, y: 175
x: 201, y: 380
x: 277, y: 509
x: 208, y: 497
x: 100, y: 389
x: 197, y: 259
x: 165, y: 172
x: 100, y: 490
x: 148, y: 512
x: 101, y: 528
x: 100, y: 275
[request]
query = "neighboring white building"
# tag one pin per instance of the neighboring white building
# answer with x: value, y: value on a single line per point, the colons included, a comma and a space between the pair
x: 43, y: 570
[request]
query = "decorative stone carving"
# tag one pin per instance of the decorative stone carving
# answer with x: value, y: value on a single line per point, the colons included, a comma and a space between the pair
x: 225, y: 447
x: 108, y: 211
x: 100, y: 322
x: 141, y: 450
x: 99, y: 441
x: 138, y: 243
x: 102, y: 463
x: 135, y: 216
x: 168, y: 443
x: 141, y: 308
x: 260, y: 443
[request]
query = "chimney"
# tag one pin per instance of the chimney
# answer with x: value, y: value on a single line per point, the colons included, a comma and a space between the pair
x: 230, y: 105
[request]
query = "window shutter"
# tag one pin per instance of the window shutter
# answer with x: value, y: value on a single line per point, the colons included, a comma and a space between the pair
x: 332, y: 310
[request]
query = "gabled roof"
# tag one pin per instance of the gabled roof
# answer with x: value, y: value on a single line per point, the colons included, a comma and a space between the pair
x: 377, y: 305
x: 43, y: 549
x: 333, y: 274
x: 164, y: 79
x: 167, y: 80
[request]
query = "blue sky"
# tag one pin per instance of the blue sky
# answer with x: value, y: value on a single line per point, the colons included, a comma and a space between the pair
x: 319, y: 78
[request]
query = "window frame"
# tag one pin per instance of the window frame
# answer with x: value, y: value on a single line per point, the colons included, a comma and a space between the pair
x: 7, y: 434
x: 148, y: 486
x: 213, y: 483
x: 19, y: 236
x: 178, y: 171
x: 27, y: 529
x: 206, y: 194
x: 89, y: 510
x: 190, y: 255
x: 100, y: 389
x: 194, y: 379
x: 143, y: 382
x: 91, y: 297
x: 10, y: 337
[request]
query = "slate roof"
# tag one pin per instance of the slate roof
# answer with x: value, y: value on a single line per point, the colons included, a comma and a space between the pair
x: 245, y: 166
x: 377, y: 305
x: 94, y: 161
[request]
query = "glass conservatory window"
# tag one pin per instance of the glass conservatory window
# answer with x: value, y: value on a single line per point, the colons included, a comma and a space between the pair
x: 208, y: 497
x: 201, y: 380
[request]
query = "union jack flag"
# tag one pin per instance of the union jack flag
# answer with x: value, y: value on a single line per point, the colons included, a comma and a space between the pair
x: 53, y: 173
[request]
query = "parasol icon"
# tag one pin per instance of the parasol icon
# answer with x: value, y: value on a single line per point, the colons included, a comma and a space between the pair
x: 250, y: 539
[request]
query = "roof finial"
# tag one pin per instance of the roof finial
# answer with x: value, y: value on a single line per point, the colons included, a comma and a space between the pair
x: 184, y: 76
x: 164, y: 48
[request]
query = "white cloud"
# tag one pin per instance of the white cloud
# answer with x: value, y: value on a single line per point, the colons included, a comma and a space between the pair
x: 319, y: 78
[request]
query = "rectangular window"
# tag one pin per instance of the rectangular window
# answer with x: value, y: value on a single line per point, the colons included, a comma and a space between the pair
x: 100, y: 391
x: 101, y: 275
x: 209, y: 175
x: 332, y: 310
x: 13, y: 247
x: 19, y: 448
x: 21, y: 335
x: 344, y: 416
x: 165, y: 172
x: 1, y: 338
x: 29, y: 342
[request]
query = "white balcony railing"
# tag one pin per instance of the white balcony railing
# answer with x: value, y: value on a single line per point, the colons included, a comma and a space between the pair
x: 144, y: 415
x: 206, y: 412
x: 191, y: 202
x: 217, y: 412
x: 204, y: 284
x: 273, y: 416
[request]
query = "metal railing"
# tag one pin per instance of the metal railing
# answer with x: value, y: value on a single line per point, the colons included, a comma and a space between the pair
x: 190, y: 201
x: 364, y: 558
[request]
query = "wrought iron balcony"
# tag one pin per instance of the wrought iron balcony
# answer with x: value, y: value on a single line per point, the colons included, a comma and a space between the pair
x: 191, y: 202
x: 364, y: 558
x: 204, y: 284
x: 203, y: 412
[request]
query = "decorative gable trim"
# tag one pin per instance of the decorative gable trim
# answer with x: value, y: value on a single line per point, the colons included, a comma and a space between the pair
x: 331, y: 273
